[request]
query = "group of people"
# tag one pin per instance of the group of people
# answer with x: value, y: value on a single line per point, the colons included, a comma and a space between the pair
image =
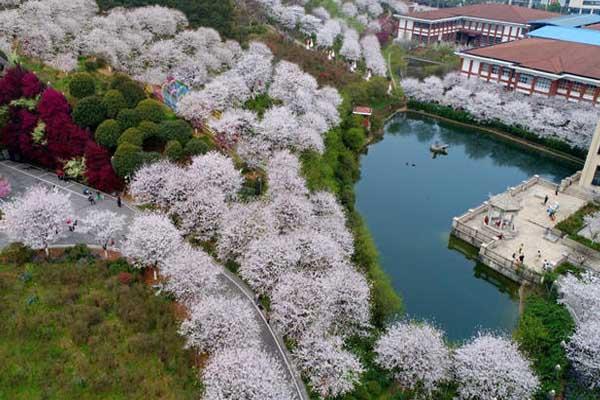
x: 92, y: 199
x: 553, y: 209
x: 519, y: 256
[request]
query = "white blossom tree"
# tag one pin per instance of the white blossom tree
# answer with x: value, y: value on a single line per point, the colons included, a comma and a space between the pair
x: 244, y: 373
x: 38, y: 218
x: 331, y: 370
x: 330, y: 220
x: 105, y: 226
x: 233, y: 125
x: 328, y: 33
x: 491, y: 367
x: 200, y: 214
x: 190, y: 275
x: 216, y: 170
x: 350, y: 49
x: 583, y: 350
x: 152, y: 238
x: 149, y: 182
x: 349, y: 9
x: 217, y: 322
x: 290, y: 212
x: 416, y: 355
x: 284, y: 174
x: 581, y: 295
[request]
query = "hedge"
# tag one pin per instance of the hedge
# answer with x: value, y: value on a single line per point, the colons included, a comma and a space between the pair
x: 133, y: 136
x: 174, y: 150
x: 178, y: 130
x: 132, y: 92
x: 108, y: 133
x: 128, y: 118
x: 127, y: 159
x: 89, y: 112
x: 468, y: 118
x: 114, y: 102
x: 82, y: 85
x: 150, y: 110
x: 196, y: 146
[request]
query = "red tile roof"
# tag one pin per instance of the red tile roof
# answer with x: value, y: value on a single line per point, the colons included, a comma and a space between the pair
x: 594, y: 26
x: 553, y: 56
x: 362, y: 110
x: 493, y: 11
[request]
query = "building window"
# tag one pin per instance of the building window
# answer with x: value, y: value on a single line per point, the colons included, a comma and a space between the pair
x: 526, y: 79
x: 543, y: 84
x: 495, y: 69
x: 505, y: 73
x: 485, y: 67
x: 576, y: 88
x: 590, y: 90
x: 563, y: 85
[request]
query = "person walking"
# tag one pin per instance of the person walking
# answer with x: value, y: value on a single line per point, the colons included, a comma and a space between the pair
x: 545, y: 199
x: 91, y: 199
x: 556, y: 191
x: 522, y: 258
x: 539, y: 254
x: 520, y: 248
x: 119, y: 201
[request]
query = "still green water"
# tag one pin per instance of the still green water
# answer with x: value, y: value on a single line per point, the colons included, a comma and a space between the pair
x: 408, y: 200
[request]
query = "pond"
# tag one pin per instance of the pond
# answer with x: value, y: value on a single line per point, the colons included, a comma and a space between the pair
x: 408, y: 200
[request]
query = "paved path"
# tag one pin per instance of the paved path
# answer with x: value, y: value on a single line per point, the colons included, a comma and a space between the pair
x: 23, y: 176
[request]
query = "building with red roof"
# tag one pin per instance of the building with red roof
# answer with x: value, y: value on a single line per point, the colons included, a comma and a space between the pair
x: 542, y: 66
x: 478, y: 24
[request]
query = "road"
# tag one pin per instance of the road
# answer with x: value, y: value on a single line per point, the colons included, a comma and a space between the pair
x: 23, y: 176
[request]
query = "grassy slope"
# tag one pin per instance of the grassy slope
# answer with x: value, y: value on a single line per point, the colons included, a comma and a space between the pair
x: 575, y: 223
x: 71, y: 330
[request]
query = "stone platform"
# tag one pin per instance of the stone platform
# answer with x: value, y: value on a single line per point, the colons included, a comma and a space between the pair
x: 530, y: 228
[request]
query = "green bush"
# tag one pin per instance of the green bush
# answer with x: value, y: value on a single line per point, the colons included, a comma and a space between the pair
x: 542, y: 327
x: 108, y: 132
x: 150, y: 129
x: 174, y: 150
x: 114, y: 102
x: 127, y: 159
x: 196, y: 146
x: 354, y: 138
x: 178, y: 130
x: 132, y: 92
x: 128, y: 118
x: 78, y: 252
x: 132, y: 136
x: 89, y: 112
x: 82, y: 85
x: 16, y: 253
x: 150, y: 110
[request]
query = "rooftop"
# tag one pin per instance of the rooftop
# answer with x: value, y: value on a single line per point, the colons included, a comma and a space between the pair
x: 575, y: 35
x: 493, y: 11
x: 572, y: 21
x: 553, y: 56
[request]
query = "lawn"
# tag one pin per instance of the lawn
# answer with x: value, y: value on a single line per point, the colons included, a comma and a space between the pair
x: 82, y: 328
x: 572, y: 225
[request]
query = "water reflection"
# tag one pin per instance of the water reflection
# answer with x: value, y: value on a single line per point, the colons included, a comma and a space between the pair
x: 410, y: 208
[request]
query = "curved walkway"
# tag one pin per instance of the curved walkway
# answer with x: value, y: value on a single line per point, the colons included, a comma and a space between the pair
x: 22, y: 176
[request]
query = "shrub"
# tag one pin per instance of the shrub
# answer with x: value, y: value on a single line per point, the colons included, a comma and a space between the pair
x: 16, y: 253
x: 128, y: 118
x: 178, y: 130
x: 132, y: 92
x: 174, y: 150
x: 107, y: 133
x: 78, y: 252
x: 150, y: 110
x: 133, y: 136
x: 354, y: 138
x: 196, y: 146
x: 125, y: 278
x: 82, y: 85
x: 119, y: 265
x: 127, y: 159
x: 150, y: 129
x: 89, y: 112
x: 114, y: 102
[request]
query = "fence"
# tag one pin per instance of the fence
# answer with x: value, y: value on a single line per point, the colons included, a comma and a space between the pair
x: 506, y: 266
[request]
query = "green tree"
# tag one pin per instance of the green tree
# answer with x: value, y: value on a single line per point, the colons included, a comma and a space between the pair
x: 128, y: 118
x: 196, y: 146
x: 82, y: 85
x: 107, y: 133
x: 151, y: 110
x: 133, y: 136
x: 354, y: 138
x: 174, y: 150
x: 178, y: 130
x: 151, y: 130
x: 89, y: 112
x: 132, y: 92
x: 114, y: 102
x: 127, y: 159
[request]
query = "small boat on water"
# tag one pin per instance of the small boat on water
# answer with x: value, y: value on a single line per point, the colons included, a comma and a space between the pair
x: 439, y: 148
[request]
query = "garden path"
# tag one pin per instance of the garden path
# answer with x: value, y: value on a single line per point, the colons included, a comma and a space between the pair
x: 22, y: 176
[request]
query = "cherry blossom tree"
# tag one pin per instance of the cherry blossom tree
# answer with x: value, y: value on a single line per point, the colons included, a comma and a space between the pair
x: 321, y: 13
x: 491, y: 367
x: 328, y: 33
x: 234, y: 124
x: 200, y: 214
x: 349, y: 9
x: 581, y: 295
x: 38, y: 218
x: 152, y: 238
x: 583, y: 350
x: 331, y: 370
x: 416, y: 355
x: 244, y: 373
x: 148, y: 183
x: 217, y: 322
x: 290, y: 212
x: 256, y: 69
x: 309, y: 24
x: 350, y: 49
x: 592, y: 225
x: 293, y: 87
x: 190, y: 275
x: 330, y: 220
x: 284, y: 174
x: 105, y: 226
x: 216, y: 170
x: 242, y: 223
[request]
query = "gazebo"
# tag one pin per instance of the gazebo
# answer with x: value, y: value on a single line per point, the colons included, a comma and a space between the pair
x: 501, y: 211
